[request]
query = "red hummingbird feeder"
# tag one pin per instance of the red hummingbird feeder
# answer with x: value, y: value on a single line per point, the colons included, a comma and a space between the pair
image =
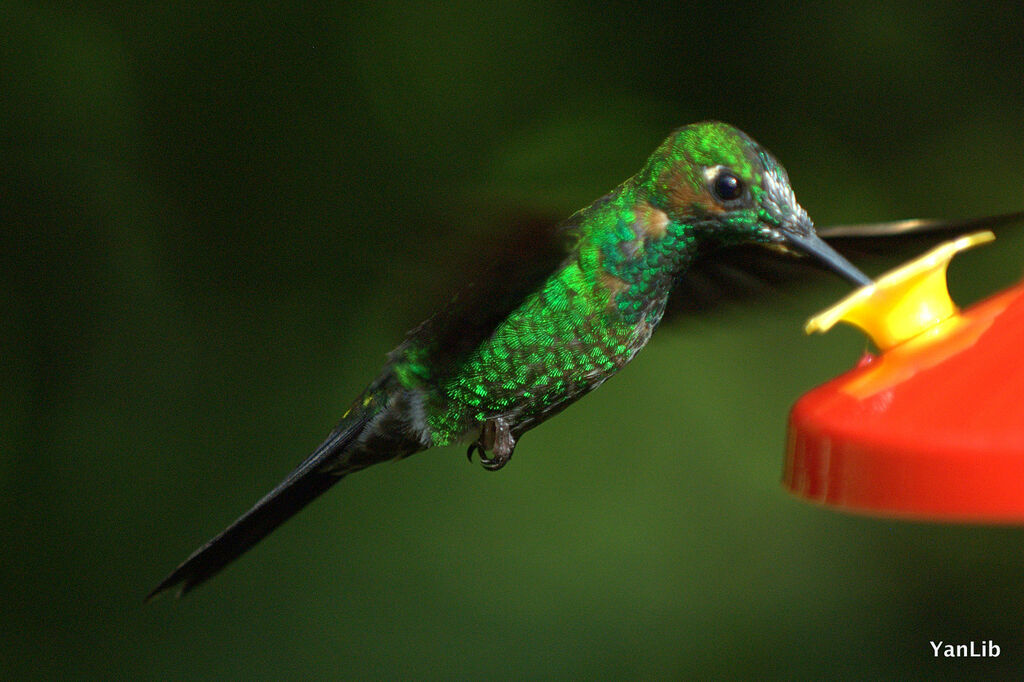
x: 931, y: 428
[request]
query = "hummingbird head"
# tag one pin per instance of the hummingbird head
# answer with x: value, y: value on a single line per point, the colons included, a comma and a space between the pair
x: 720, y: 181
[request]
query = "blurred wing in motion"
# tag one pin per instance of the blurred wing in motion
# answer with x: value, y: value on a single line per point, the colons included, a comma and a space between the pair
x: 513, y: 260
x: 919, y: 227
x: 739, y: 273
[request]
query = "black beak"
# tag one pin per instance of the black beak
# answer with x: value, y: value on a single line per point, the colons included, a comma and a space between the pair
x: 809, y: 243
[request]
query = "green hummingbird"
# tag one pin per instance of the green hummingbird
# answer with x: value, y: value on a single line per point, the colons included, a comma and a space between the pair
x: 487, y: 374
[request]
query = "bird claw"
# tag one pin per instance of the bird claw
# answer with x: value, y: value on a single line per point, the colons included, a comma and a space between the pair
x: 496, y: 462
x: 496, y: 437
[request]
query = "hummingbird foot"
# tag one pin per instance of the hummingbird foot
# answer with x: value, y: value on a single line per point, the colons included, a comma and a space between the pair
x: 496, y: 438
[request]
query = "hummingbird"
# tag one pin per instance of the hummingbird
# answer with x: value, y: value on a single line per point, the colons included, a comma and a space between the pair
x: 485, y: 374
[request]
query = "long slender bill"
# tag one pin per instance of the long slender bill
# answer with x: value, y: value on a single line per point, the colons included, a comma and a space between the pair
x: 815, y: 247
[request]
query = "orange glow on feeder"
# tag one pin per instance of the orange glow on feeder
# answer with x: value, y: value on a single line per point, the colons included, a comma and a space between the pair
x: 933, y: 427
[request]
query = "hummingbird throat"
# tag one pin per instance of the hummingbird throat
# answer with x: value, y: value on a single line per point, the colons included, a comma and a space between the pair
x: 639, y: 259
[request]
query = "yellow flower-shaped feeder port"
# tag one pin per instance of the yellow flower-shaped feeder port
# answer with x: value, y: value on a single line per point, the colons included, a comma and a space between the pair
x: 904, y: 302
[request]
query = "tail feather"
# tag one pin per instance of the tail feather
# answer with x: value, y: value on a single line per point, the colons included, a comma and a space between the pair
x: 307, y: 482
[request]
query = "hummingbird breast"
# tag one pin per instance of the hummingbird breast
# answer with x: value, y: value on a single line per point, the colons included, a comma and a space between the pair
x: 564, y: 340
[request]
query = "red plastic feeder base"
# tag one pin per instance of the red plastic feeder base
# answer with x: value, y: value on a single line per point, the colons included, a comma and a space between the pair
x: 932, y: 429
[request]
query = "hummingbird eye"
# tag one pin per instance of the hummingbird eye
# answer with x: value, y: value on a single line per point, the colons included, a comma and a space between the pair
x: 726, y: 186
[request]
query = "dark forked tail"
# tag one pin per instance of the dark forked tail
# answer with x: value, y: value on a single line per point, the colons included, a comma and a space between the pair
x: 302, y: 486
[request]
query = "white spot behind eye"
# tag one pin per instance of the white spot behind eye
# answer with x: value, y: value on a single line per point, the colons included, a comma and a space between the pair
x: 711, y: 171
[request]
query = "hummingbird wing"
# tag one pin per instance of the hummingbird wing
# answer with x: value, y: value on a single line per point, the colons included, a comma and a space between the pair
x: 502, y: 271
x: 744, y: 272
x: 917, y: 227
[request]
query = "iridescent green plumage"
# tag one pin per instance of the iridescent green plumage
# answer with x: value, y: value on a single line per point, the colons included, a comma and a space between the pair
x: 492, y: 366
x: 600, y: 306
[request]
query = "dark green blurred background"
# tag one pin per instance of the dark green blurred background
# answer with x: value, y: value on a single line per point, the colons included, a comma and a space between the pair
x: 215, y: 222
